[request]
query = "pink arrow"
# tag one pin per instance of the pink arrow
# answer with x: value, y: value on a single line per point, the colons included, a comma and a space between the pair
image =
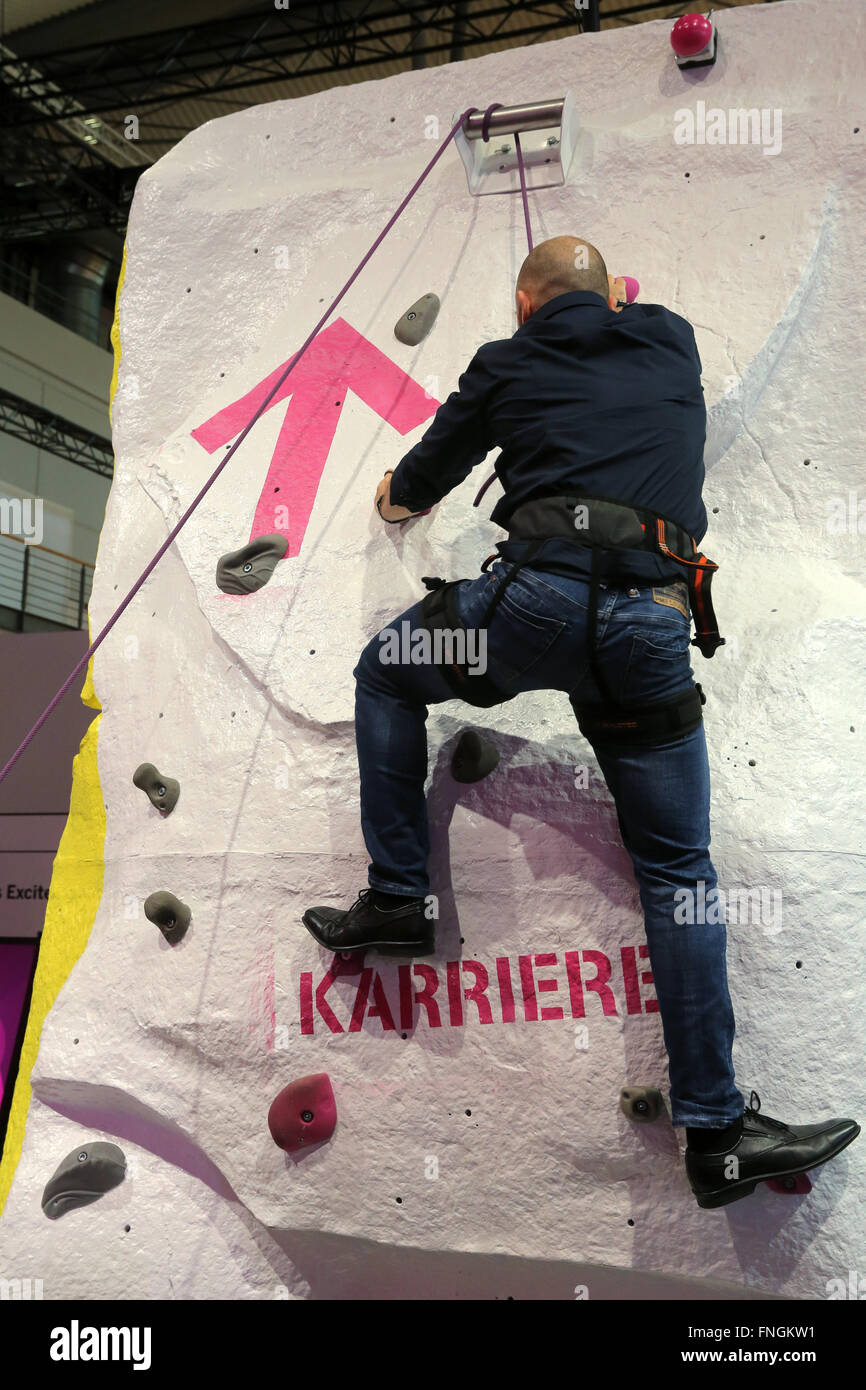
x: 339, y: 359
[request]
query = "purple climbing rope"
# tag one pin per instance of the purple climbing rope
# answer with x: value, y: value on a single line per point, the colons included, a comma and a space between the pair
x: 485, y: 123
x: 4, y: 772
x: 523, y: 188
x: 485, y: 136
x: 493, y: 476
x: 483, y: 488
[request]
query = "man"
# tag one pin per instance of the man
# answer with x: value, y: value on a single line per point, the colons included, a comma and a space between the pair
x: 599, y: 413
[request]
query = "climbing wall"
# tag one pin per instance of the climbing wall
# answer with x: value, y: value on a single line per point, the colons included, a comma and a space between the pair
x: 479, y: 1148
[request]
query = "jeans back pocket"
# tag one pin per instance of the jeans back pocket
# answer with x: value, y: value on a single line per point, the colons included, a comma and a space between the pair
x: 658, y: 663
x: 519, y: 637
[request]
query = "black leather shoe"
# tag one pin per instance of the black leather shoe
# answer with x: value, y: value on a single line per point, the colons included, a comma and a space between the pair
x: 403, y: 931
x: 765, y: 1149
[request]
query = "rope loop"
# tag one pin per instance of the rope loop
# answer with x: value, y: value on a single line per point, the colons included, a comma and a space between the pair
x: 485, y: 124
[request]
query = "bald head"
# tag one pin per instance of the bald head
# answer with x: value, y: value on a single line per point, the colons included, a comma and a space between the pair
x: 558, y: 266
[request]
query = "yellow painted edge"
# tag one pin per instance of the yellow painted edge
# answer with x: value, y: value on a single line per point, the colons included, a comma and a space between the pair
x: 76, y: 880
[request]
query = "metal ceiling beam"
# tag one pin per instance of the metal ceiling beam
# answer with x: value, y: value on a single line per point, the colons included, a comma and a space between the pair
x: 52, y: 182
x: 308, y: 39
x: 26, y: 82
x: 61, y: 171
x: 44, y: 430
x: 62, y: 167
x: 47, y: 189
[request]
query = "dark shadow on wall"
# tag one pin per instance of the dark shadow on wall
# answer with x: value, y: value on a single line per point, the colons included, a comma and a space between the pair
x: 346, y: 1268
x: 532, y: 781
x: 117, y: 1113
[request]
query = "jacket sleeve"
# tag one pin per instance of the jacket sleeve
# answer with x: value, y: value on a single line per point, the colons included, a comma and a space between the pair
x: 458, y: 438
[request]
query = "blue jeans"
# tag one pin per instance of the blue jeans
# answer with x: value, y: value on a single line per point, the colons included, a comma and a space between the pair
x: 536, y: 640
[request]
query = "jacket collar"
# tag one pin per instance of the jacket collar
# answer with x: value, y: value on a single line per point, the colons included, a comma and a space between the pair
x: 566, y: 301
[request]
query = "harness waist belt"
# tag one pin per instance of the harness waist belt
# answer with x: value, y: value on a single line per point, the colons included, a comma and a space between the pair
x: 601, y: 523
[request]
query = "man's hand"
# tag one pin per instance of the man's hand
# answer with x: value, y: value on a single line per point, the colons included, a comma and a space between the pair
x: 383, y: 502
x: 617, y: 292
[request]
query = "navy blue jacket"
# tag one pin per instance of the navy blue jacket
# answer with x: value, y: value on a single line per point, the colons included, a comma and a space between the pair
x: 580, y: 398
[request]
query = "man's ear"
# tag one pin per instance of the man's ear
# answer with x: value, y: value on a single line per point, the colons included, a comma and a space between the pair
x: 524, y: 307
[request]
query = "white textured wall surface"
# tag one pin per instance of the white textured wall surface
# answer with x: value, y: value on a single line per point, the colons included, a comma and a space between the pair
x: 180, y: 1051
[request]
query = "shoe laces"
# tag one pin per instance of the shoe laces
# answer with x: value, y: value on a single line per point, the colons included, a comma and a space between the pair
x: 754, y: 1108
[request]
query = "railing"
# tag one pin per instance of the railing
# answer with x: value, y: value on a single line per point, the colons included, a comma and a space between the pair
x: 20, y: 285
x: 43, y: 583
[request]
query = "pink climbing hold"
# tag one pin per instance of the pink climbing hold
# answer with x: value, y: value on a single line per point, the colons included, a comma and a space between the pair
x: 794, y: 1185
x: 304, y: 1113
x: 691, y: 34
x: 632, y: 288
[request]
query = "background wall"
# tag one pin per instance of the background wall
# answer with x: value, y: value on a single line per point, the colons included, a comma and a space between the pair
x: 540, y: 1183
x: 33, y: 802
x: 50, y: 366
x: 35, y: 794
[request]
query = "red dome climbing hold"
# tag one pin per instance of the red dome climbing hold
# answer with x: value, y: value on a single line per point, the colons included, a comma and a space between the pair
x: 691, y: 34
x: 304, y: 1113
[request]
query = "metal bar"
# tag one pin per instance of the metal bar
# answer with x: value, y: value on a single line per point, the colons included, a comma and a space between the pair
x: 116, y: 76
x: 111, y: 77
x: 24, y: 588
x: 46, y: 550
x: 35, y: 425
x: 531, y: 115
x: 80, y: 595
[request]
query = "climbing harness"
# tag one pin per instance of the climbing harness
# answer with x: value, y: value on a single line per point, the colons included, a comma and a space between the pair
x: 604, y: 524
x: 439, y: 613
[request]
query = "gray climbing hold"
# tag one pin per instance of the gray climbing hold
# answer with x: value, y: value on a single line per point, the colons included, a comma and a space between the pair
x: 245, y: 570
x: 641, y: 1103
x: 413, y: 326
x: 473, y: 757
x: 162, y: 791
x: 83, y: 1177
x: 169, y: 914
